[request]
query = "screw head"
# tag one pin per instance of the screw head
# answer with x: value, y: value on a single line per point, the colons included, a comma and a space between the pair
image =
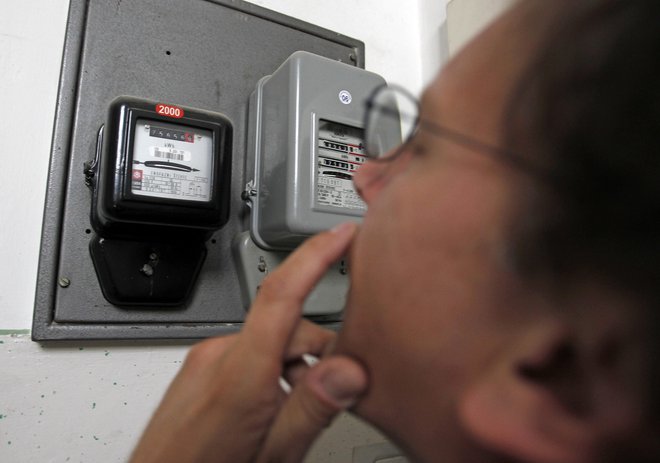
x: 147, y: 270
x: 262, y: 266
x: 64, y: 282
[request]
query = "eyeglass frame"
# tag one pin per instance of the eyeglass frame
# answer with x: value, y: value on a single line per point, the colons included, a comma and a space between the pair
x: 435, y: 129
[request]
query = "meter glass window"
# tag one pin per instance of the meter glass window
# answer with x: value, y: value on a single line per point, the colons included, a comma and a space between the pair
x: 172, y: 161
x: 340, y: 153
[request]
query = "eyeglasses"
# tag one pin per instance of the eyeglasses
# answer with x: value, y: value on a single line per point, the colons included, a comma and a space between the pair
x: 392, y: 119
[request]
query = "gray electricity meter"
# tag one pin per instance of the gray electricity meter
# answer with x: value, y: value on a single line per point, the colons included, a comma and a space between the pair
x: 305, y: 143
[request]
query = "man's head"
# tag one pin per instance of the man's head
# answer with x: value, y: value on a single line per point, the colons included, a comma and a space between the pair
x: 503, y: 310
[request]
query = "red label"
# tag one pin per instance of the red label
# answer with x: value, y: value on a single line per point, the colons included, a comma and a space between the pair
x: 169, y: 110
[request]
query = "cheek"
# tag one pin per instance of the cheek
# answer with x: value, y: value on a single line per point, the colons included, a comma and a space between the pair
x: 382, y: 256
x: 422, y: 265
x: 420, y: 233
x: 387, y: 286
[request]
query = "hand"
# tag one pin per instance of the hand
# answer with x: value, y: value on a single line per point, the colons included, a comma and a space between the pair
x: 226, y: 404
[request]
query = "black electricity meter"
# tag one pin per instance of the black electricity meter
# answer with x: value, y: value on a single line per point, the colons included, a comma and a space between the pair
x: 163, y: 166
x: 160, y: 183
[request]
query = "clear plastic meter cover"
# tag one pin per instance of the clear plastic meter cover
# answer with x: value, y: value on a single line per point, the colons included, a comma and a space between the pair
x: 172, y: 161
x: 340, y: 154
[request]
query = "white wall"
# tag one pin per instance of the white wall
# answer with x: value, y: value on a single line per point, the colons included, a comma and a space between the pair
x: 89, y: 401
x: 31, y: 38
x: 468, y: 17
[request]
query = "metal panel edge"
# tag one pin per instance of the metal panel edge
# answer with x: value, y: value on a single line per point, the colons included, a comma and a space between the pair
x: 110, y: 333
x: 57, y: 169
x: 297, y: 24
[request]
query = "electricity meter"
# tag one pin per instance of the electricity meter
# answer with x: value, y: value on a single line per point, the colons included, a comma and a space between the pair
x: 160, y: 185
x: 162, y: 166
x: 305, y: 142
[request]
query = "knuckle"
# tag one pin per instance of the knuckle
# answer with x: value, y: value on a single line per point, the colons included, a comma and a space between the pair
x: 202, y: 354
x: 316, y: 410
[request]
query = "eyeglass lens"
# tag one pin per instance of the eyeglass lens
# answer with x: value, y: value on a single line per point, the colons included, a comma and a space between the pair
x: 391, y: 121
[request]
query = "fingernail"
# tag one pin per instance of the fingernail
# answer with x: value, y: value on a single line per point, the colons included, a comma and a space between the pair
x: 342, y: 387
x: 343, y: 228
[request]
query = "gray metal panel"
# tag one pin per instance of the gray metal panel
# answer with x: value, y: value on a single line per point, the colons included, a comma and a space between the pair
x: 203, y: 54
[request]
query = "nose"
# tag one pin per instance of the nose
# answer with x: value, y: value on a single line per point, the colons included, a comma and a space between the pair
x: 374, y: 175
x: 370, y: 179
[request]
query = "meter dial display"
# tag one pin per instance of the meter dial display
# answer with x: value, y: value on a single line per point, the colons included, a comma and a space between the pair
x: 340, y: 154
x: 172, y: 161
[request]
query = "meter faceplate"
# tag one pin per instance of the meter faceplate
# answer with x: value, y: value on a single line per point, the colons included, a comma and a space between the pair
x: 172, y: 161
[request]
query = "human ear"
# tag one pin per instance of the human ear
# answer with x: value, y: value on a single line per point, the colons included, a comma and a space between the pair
x: 521, y: 408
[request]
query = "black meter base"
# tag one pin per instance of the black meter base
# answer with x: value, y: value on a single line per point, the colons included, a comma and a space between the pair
x: 144, y: 274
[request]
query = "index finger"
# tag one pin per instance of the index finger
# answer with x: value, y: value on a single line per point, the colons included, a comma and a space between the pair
x: 277, y: 308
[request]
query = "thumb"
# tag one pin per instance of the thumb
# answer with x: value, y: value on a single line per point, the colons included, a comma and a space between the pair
x: 332, y: 385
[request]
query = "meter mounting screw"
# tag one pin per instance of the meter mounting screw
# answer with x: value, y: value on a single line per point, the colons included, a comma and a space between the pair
x: 148, y: 268
x: 64, y: 282
x: 262, y: 266
x: 245, y: 195
x: 249, y: 191
x: 89, y: 172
